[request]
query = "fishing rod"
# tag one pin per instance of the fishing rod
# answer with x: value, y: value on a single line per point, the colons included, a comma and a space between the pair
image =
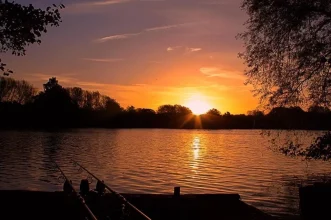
x: 114, y: 192
x: 67, y: 185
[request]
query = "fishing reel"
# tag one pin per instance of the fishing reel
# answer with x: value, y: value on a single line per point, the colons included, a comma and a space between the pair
x: 84, y: 187
x: 100, y: 187
x: 67, y: 187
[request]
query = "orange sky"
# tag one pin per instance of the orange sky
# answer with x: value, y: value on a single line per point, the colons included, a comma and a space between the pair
x: 145, y: 52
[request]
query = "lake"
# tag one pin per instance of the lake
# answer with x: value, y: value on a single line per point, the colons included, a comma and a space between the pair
x: 156, y: 160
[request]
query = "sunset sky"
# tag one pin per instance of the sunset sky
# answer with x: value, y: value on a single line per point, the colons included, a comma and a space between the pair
x: 144, y: 52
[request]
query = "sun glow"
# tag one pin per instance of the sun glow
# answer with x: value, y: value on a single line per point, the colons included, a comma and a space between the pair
x: 198, y: 104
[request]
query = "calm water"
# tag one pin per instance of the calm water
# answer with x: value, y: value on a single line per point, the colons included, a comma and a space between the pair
x: 154, y: 161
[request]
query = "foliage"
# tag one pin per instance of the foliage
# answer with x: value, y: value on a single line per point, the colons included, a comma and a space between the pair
x: 288, y: 55
x: 51, y: 84
x: 60, y: 107
x: 54, y: 99
x: 320, y: 149
x: 174, y: 109
x: 17, y: 91
x: 145, y: 111
x: 21, y: 26
x: 131, y: 109
x: 288, y: 51
x: 255, y: 113
x: 227, y: 114
x: 93, y: 100
x: 213, y: 111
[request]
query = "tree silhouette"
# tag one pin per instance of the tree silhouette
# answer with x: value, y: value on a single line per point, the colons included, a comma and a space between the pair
x: 227, y: 114
x: 288, y: 55
x: 58, y: 107
x: 174, y: 110
x: 213, y: 111
x: 21, y: 26
x: 17, y: 91
x: 255, y: 113
x: 77, y: 96
x: 288, y: 51
x: 130, y: 109
x: 55, y: 98
x: 111, y: 106
x: 320, y: 149
x: 51, y: 84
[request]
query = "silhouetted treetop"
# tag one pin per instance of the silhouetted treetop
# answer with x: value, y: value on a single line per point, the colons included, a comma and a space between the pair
x: 23, y: 25
x: 54, y: 98
x: 130, y: 109
x: 78, y: 96
x: 145, y: 111
x: 17, y: 91
x: 93, y: 100
x: 255, y: 113
x: 288, y: 51
x: 51, y: 84
x: 59, y: 107
x: 174, y: 109
x: 227, y: 114
x: 111, y: 105
x: 213, y: 111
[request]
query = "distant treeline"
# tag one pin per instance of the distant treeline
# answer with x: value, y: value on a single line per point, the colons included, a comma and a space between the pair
x: 22, y: 107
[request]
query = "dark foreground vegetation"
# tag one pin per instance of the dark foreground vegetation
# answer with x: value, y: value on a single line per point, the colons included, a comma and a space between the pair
x: 22, y: 107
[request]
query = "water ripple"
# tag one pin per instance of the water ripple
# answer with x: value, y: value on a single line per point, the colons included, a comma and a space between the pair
x: 154, y: 161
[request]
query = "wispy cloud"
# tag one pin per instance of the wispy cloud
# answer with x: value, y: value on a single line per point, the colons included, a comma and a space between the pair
x: 129, y: 35
x: 117, y: 37
x: 98, y: 3
x: 194, y: 49
x: 166, y: 27
x: 110, y: 60
x: 222, y: 73
x: 108, y: 2
x: 187, y: 49
x: 91, y: 6
x: 111, y: 2
x: 173, y: 48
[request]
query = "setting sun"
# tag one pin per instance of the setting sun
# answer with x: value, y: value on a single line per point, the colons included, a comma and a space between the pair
x: 198, y: 104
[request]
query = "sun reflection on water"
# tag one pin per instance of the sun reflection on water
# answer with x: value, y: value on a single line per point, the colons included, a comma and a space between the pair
x: 196, y: 147
x: 196, y: 152
x: 156, y: 160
